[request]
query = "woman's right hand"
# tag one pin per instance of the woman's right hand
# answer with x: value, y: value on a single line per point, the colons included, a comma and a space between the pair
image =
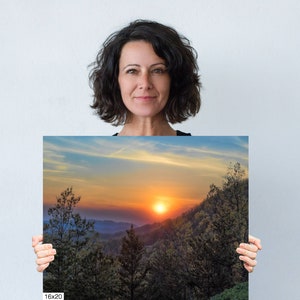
x: 44, y: 252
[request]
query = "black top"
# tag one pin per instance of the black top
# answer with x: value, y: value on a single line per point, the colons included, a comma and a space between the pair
x: 178, y: 133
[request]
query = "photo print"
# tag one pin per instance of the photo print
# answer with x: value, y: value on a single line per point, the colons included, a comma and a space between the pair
x: 145, y: 217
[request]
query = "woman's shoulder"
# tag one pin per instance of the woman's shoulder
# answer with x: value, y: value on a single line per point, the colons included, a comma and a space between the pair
x: 180, y: 133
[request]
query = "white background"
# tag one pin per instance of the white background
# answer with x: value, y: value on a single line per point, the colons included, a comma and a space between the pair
x: 249, y: 65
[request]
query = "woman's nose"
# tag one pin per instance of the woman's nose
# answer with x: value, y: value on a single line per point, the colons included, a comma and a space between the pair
x: 145, y: 81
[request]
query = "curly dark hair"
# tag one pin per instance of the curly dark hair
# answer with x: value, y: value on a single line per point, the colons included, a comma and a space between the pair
x: 181, y: 61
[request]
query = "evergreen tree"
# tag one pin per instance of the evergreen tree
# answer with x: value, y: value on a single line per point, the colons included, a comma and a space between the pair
x: 132, y: 268
x: 101, y: 278
x: 68, y: 232
x: 222, y: 222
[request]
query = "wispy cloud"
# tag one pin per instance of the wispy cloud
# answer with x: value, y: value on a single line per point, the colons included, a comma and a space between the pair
x: 115, y: 170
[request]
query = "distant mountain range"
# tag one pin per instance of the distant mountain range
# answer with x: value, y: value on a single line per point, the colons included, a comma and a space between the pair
x: 111, y: 230
x: 111, y: 227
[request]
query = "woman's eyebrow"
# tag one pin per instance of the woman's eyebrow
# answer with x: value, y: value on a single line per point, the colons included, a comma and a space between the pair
x: 160, y: 63
x: 137, y: 65
x: 131, y: 65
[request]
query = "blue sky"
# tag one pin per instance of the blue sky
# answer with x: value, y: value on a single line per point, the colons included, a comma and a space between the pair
x: 123, y: 178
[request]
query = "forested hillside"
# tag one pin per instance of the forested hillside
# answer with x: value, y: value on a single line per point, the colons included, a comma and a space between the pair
x: 189, y: 257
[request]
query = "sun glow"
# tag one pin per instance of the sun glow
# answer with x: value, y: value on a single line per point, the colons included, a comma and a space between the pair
x: 160, y: 208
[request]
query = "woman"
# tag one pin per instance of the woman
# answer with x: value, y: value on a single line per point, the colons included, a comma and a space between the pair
x: 145, y: 78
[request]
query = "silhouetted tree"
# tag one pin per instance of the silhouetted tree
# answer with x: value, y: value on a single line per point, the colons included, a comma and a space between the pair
x: 132, y: 268
x: 69, y: 234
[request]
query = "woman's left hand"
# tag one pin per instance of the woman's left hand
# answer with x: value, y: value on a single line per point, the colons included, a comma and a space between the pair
x: 248, y: 252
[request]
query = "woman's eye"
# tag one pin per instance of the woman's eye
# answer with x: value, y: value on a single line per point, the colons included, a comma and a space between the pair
x: 158, y: 71
x: 131, y: 71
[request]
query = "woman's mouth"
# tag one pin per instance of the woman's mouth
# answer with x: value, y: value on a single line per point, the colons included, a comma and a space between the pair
x: 145, y: 98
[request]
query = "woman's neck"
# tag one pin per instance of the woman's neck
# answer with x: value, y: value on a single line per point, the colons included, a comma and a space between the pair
x: 147, y: 127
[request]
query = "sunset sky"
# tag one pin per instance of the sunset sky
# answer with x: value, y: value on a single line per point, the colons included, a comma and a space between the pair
x: 137, y: 179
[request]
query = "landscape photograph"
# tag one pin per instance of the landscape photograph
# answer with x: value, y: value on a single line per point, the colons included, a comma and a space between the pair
x: 146, y: 217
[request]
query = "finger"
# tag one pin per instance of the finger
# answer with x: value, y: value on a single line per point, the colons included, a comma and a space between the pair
x: 46, y: 253
x: 255, y: 241
x: 42, y: 247
x: 36, y: 240
x: 249, y: 247
x: 249, y: 253
x: 248, y: 268
x: 44, y: 260
x: 247, y: 260
x: 41, y: 268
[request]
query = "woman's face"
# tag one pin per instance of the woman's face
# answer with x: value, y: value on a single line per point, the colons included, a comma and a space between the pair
x: 143, y: 80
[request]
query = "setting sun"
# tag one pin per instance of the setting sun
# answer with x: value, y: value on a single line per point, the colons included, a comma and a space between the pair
x: 160, y: 208
x: 137, y: 180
